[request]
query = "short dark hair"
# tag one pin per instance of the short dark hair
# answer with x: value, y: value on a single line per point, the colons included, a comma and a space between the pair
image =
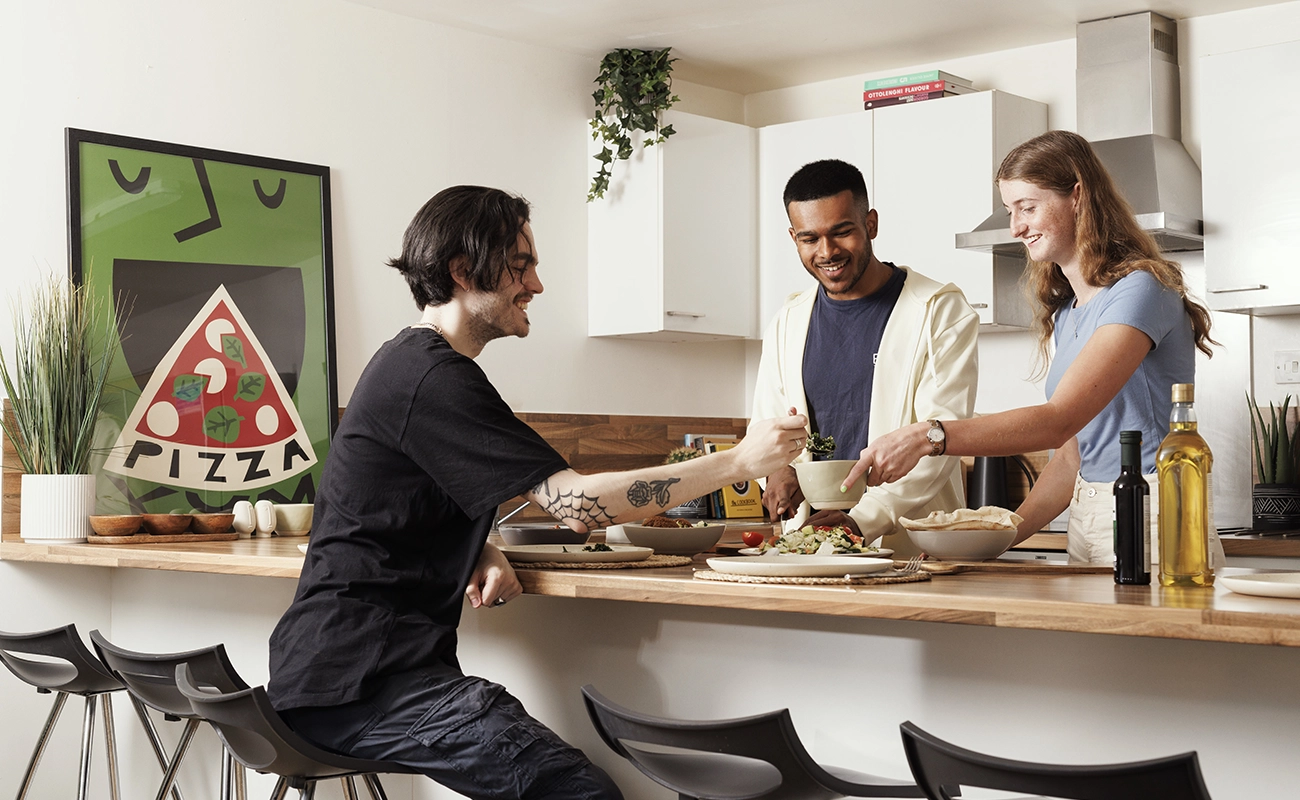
x: 477, y: 222
x: 826, y: 179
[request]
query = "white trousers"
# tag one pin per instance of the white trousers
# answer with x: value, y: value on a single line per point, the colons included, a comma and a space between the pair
x: 1091, y: 536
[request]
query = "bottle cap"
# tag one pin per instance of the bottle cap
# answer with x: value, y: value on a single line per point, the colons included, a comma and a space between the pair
x: 1130, y: 437
x: 1184, y: 393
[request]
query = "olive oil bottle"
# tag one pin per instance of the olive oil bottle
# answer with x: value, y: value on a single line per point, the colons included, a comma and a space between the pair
x: 1132, y: 514
x: 1183, y: 478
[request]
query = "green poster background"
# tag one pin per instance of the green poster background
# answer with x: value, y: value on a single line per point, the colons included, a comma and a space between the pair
x: 192, y: 217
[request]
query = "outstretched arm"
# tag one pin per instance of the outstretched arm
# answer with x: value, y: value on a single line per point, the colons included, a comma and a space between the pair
x: 584, y: 502
x: 1105, y: 364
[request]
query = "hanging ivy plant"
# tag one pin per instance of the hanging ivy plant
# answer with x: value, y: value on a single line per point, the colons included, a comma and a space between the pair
x: 632, y: 88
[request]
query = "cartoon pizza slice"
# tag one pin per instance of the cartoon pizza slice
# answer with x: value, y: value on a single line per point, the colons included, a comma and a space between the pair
x: 215, y: 415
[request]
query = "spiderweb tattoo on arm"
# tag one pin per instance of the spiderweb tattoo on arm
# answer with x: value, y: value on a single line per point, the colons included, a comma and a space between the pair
x: 640, y: 493
x: 569, y: 505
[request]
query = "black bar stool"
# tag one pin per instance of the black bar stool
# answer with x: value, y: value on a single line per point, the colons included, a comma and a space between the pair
x: 151, y: 679
x: 943, y: 768
x: 730, y: 759
x: 63, y: 665
x: 254, y: 733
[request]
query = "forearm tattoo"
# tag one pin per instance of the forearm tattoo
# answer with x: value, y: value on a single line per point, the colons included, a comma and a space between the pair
x: 567, y: 505
x: 640, y: 493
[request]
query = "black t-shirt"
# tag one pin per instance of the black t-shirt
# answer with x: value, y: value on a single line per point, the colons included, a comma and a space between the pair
x: 423, y: 456
x: 839, y: 362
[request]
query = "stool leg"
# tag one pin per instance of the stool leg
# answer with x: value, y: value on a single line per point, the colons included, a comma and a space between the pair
x: 349, y: 788
x: 151, y: 733
x: 281, y: 789
x: 308, y: 791
x: 87, y: 739
x: 110, y: 746
x: 241, y: 785
x: 227, y: 775
x: 169, y: 774
x: 373, y: 785
x: 59, y: 699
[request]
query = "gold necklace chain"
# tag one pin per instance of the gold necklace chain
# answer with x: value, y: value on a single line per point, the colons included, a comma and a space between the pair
x: 431, y: 326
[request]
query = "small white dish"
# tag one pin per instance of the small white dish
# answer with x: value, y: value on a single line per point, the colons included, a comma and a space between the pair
x: 883, y: 552
x: 303, y: 548
x: 1272, y: 584
x: 574, y: 554
x: 799, y: 566
x: 820, y: 483
x: 674, y: 541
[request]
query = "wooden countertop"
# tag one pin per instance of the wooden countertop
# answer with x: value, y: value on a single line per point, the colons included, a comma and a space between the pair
x: 1028, y: 599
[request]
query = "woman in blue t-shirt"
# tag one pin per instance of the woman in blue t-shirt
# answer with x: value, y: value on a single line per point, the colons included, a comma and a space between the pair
x: 1123, y: 329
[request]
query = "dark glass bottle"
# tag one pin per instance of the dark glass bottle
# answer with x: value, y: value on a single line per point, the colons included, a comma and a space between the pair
x: 1132, y: 514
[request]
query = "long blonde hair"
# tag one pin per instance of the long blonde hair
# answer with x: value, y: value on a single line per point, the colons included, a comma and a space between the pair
x: 1107, y: 238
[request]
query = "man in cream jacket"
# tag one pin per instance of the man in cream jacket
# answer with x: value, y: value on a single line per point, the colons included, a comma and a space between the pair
x: 871, y: 348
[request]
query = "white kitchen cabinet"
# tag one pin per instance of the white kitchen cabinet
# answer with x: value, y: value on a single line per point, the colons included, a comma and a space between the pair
x: 671, y: 249
x: 1251, y: 179
x: 783, y: 149
x: 934, y: 164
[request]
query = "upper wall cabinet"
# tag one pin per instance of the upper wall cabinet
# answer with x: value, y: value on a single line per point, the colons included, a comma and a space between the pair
x: 1251, y: 180
x: 934, y: 164
x: 783, y: 149
x: 671, y: 248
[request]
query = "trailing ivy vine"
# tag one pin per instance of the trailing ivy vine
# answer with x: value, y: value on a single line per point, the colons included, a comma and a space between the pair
x: 632, y: 88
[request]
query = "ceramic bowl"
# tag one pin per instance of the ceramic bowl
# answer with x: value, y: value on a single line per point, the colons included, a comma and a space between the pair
x: 115, y: 524
x: 820, y: 482
x: 965, y: 545
x: 212, y: 523
x: 293, y: 519
x: 675, y: 541
x: 166, y: 524
x: 526, y: 533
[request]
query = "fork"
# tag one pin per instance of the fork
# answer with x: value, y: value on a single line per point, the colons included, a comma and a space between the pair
x: 913, y: 564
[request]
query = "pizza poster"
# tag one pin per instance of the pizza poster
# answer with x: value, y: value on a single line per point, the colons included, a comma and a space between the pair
x: 222, y: 386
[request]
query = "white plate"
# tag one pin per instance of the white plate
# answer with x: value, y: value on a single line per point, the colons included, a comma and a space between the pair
x: 883, y: 552
x: 573, y: 553
x: 1274, y: 584
x: 799, y: 567
x: 303, y: 548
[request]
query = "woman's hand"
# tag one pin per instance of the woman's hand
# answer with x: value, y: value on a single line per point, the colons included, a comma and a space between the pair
x: 891, y: 456
x: 493, y: 582
x: 771, y: 444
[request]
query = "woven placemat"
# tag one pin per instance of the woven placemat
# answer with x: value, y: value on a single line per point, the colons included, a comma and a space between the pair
x: 890, y: 576
x: 655, y: 560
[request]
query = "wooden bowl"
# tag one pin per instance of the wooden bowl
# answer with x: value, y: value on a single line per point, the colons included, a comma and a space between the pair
x: 115, y: 524
x: 212, y: 523
x: 166, y: 524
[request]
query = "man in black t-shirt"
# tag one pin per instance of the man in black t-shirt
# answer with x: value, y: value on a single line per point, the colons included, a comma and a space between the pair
x: 364, y: 660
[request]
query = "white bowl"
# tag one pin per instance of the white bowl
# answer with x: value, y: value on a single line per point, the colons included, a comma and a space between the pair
x: 526, y: 533
x: 963, y: 545
x: 820, y: 482
x: 675, y: 541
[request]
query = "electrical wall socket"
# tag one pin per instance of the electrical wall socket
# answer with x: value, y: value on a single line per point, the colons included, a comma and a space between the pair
x: 1286, y: 366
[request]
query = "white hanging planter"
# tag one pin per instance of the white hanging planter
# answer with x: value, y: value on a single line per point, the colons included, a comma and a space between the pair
x: 55, y: 508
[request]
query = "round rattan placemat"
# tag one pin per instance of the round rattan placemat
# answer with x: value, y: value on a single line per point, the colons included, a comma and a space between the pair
x: 890, y: 576
x: 655, y: 560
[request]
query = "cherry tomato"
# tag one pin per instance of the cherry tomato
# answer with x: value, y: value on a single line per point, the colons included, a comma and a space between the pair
x: 752, y: 538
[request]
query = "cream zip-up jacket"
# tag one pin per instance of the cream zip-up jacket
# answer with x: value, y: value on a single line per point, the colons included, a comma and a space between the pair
x: 927, y: 368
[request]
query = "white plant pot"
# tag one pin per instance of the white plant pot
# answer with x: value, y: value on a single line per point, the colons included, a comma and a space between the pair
x: 55, y: 509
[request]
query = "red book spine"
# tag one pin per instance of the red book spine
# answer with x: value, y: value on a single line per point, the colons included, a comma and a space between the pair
x: 911, y: 88
x: 901, y: 99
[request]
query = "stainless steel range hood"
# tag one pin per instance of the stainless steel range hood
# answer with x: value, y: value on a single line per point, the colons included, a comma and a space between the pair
x: 1129, y: 109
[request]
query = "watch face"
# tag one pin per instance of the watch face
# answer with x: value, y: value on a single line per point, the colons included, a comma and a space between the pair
x: 935, y: 435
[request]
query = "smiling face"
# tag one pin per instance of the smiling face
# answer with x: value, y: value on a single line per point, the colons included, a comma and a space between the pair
x: 504, y: 311
x: 834, y: 241
x: 1044, y: 220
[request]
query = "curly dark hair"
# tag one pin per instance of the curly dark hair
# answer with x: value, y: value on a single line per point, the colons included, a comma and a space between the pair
x: 827, y: 178
x: 1109, y: 240
x: 477, y: 222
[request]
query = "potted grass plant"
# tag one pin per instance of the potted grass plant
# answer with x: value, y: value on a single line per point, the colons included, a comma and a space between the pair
x: 1275, y: 497
x: 54, y: 377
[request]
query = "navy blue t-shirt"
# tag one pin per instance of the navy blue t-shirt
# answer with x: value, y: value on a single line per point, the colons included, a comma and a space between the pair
x: 839, y: 362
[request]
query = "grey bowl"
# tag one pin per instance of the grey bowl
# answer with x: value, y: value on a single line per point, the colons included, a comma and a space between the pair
x: 541, y: 533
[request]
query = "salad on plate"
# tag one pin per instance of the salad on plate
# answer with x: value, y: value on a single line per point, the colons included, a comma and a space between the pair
x: 820, y: 540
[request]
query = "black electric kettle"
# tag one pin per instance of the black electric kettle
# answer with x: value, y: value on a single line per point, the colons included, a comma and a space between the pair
x: 988, y: 481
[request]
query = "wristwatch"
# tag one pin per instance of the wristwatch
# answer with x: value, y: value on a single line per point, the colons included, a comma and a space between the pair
x: 937, y: 437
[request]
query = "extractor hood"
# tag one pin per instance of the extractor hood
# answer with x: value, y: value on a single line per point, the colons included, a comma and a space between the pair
x: 1129, y: 109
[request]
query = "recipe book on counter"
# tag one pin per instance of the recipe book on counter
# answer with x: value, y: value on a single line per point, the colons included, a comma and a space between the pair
x: 742, y: 500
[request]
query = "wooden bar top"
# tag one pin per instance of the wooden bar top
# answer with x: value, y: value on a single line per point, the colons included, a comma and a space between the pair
x: 1089, y: 603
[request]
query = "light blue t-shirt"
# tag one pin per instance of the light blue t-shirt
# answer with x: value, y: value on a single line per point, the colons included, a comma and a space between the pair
x: 1139, y: 301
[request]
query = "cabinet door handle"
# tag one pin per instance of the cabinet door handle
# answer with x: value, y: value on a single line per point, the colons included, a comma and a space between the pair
x: 979, y: 305
x: 1232, y: 289
x: 691, y: 314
